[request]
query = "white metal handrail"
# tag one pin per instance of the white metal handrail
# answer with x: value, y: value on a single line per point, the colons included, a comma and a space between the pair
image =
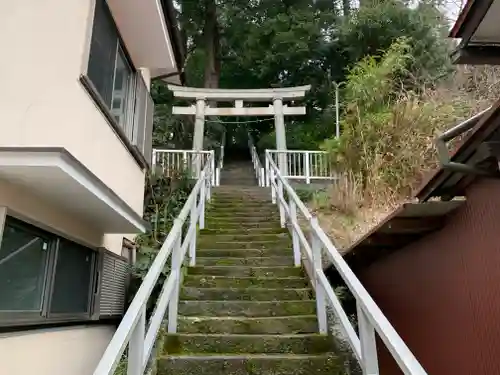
x: 302, y: 165
x: 133, y: 329
x: 257, y: 165
x: 220, y: 162
x: 187, y: 161
x: 370, y: 317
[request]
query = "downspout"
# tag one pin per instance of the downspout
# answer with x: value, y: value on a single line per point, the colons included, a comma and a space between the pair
x: 442, y: 149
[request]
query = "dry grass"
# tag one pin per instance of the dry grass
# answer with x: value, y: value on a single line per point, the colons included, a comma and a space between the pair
x: 388, y: 156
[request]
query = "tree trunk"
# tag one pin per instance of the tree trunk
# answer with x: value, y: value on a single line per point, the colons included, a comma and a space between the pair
x: 212, y: 46
x: 346, y: 8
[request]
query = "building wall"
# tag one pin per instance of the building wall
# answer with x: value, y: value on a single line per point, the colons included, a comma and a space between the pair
x: 60, y: 351
x: 42, y: 102
x: 442, y: 293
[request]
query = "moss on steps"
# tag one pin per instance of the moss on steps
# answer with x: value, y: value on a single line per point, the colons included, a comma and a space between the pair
x: 211, y: 281
x: 242, y: 253
x: 247, y: 308
x: 220, y: 343
x: 245, y: 325
x: 252, y: 364
x: 249, y: 261
x: 246, y: 271
x: 245, y: 293
x: 244, y: 237
x: 277, y: 244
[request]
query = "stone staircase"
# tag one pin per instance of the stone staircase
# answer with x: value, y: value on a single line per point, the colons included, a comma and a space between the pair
x: 245, y: 309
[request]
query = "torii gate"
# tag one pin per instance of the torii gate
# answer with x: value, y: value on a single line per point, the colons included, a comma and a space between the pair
x: 277, y: 96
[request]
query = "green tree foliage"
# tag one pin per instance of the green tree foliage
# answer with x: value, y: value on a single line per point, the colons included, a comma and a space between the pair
x: 279, y: 43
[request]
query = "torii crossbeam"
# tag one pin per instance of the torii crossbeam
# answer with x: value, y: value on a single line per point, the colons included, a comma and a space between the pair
x: 277, y: 109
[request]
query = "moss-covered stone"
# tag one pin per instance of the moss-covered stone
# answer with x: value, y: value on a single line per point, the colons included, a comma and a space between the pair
x: 204, y: 281
x: 247, y: 308
x: 269, y: 344
x: 276, y: 244
x: 276, y: 229
x: 249, y: 261
x: 246, y: 271
x: 245, y: 294
x: 251, y: 365
x: 242, y: 253
x: 244, y: 237
x: 238, y: 325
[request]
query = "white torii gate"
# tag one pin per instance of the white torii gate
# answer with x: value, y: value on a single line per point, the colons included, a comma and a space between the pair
x: 277, y: 109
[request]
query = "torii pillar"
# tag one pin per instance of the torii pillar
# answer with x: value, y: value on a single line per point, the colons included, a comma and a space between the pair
x: 277, y: 109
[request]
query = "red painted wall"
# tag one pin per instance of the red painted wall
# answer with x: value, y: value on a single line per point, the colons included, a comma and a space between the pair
x: 442, y: 293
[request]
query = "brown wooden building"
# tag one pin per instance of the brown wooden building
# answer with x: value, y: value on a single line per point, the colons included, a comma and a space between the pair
x: 433, y: 267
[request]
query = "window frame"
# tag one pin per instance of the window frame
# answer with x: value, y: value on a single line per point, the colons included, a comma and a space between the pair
x: 44, y: 316
x: 127, y: 131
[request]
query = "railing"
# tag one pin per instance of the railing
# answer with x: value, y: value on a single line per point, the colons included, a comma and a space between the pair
x: 220, y: 161
x: 260, y: 174
x: 370, y: 318
x: 186, y: 161
x: 302, y: 165
x: 133, y: 330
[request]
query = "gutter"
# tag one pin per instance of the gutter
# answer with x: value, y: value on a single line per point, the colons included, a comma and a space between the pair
x: 175, y: 34
x: 442, y: 149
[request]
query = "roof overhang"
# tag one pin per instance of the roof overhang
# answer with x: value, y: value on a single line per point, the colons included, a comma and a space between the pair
x: 55, y: 175
x: 479, y: 30
x: 405, y: 225
x: 144, y: 27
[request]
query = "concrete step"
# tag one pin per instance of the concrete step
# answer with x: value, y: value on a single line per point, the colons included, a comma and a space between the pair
x: 251, y: 344
x: 245, y: 253
x: 245, y: 261
x: 204, y: 281
x: 276, y: 244
x: 243, y: 237
x: 245, y: 293
x: 242, y: 271
x: 242, y: 217
x: 251, y: 364
x: 247, y: 308
x: 227, y: 224
x: 244, y: 325
x: 238, y: 230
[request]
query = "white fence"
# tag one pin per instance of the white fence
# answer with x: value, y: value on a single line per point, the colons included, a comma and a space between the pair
x: 191, y: 162
x: 370, y: 319
x: 301, y: 165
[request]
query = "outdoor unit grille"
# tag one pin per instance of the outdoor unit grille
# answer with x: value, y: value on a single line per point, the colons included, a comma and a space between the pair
x: 113, y: 280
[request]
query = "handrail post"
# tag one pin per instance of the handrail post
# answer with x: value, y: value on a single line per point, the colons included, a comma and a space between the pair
x: 318, y: 268
x: 193, y: 221
x: 136, y: 345
x: 268, y: 168
x: 280, y: 203
x: 295, y: 235
x: 273, y: 189
x: 176, y: 271
x: 202, y: 204
x: 212, y: 168
x: 153, y: 162
x: 306, y: 164
x: 369, y: 363
x: 262, y: 181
